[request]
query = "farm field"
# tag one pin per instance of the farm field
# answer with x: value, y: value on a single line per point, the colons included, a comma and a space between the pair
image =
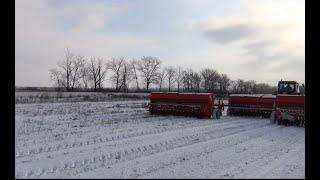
x: 120, y: 139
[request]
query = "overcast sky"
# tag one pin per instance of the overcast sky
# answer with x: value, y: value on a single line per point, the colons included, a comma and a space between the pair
x: 252, y: 40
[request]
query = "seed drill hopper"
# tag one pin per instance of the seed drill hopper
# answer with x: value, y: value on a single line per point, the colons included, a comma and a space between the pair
x: 199, y: 105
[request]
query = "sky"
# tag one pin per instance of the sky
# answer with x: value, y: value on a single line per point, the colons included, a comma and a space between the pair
x: 261, y: 40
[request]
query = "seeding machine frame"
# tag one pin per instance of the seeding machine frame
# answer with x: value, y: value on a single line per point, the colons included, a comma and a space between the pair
x: 280, y: 107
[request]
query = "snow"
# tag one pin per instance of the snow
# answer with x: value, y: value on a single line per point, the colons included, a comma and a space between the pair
x: 247, y: 95
x: 269, y: 96
x: 120, y: 139
x: 288, y: 95
x: 255, y: 95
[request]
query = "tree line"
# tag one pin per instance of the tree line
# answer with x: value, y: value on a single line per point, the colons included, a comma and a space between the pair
x: 76, y: 71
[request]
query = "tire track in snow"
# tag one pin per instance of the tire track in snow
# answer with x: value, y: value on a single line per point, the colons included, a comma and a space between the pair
x: 143, y: 149
x: 279, y: 160
x: 222, y: 161
x: 157, y: 161
x: 70, y: 145
x: 121, y: 137
x: 251, y: 160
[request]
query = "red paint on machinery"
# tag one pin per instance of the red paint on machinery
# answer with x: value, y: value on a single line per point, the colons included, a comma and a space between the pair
x: 185, y: 104
x: 290, y: 101
x: 289, y: 109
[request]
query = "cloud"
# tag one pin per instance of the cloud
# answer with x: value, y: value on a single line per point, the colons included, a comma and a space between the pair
x: 89, y: 15
x: 269, y: 35
x: 230, y: 33
x: 255, y: 38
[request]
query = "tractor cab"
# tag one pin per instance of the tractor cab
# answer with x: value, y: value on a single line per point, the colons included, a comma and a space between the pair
x: 288, y: 87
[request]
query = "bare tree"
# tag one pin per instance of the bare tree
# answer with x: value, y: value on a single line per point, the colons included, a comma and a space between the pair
x: 77, y: 64
x: 93, y: 73
x: 171, y: 72
x: 66, y: 66
x: 179, y: 77
x: 115, y: 65
x: 126, y: 75
x: 161, y: 76
x: 56, y: 77
x: 96, y: 72
x: 210, y: 79
x: 191, y: 80
x: 84, y: 75
x: 68, y: 72
x: 240, y: 86
x: 195, y: 81
x: 186, y: 79
x: 206, y: 75
x: 250, y: 86
x: 233, y: 86
x: 101, y: 73
x: 73, y: 71
x: 149, y: 67
x: 263, y: 88
x: 134, y: 64
x: 224, y: 83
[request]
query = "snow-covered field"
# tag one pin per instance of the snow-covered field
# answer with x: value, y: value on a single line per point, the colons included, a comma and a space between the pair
x: 48, y: 97
x: 120, y: 139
